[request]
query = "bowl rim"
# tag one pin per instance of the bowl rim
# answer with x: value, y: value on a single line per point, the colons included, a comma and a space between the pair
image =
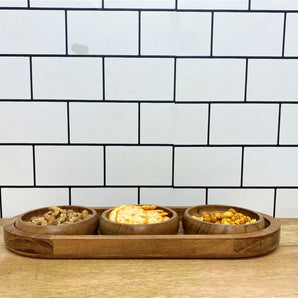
x: 186, y: 213
x: 174, y: 215
x: 93, y: 214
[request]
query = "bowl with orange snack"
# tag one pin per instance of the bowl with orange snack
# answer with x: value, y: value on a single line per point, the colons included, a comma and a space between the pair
x: 59, y: 220
x: 139, y: 220
x: 221, y: 219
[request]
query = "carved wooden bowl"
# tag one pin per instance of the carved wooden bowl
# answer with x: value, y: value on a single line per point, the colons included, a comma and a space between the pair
x: 170, y: 226
x: 84, y: 227
x: 195, y: 226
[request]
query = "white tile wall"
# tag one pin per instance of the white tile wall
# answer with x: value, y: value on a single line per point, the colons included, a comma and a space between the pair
x: 289, y: 124
x: 261, y: 200
x: 274, y: 4
x: 69, y: 165
x: 105, y: 197
x: 66, y: 3
x: 270, y: 166
x: 248, y: 34
x: 212, y: 4
x: 172, y: 196
x: 139, y: 165
x: 203, y: 166
x: 16, y: 165
x: 14, y: 71
x: 19, y: 200
x: 144, y: 4
x: 103, y: 123
x: 286, y: 203
x: 244, y: 124
x: 144, y: 79
x: 33, y: 122
x: 291, y: 42
x: 272, y: 80
x: 67, y: 78
x: 168, y: 123
x: 175, y: 33
x: 13, y: 3
x: 32, y: 32
x: 102, y: 33
x: 163, y: 101
x: 210, y: 79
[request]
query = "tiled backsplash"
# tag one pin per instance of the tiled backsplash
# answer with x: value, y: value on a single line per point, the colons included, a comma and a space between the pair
x: 167, y: 102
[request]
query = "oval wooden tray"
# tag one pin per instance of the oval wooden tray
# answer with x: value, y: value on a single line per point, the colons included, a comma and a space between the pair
x: 144, y: 246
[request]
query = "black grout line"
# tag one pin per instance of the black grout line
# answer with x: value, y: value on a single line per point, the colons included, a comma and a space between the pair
x: 175, y: 79
x: 246, y: 80
x: 139, y: 123
x: 206, y: 198
x: 173, y: 166
x: 139, y: 33
x: 242, y: 167
x: 211, y: 36
x: 69, y: 196
x: 34, y: 165
x: 104, y: 167
x: 208, y: 124
x: 1, y: 203
x: 31, y: 78
x: 103, y: 4
x: 249, y: 5
x: 28, y: 3
x: 284, y: 34
x: 274, y: 202
x: 68, y: 123
x: 278, y: 124
x: 176, y: 4
x: 103, y: 80
x: 139, y: 198
x: 153, y: 186
x: 66, y: 35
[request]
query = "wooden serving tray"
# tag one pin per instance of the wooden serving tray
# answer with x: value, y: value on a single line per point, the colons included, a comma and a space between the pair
x: 144, y: 246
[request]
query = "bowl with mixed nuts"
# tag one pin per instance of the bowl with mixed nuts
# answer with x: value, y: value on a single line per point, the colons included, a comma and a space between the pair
x: 59, y: 220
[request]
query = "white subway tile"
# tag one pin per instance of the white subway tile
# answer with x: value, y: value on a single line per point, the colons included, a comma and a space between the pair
x: 138, y: 165
x: 212, y: 4
x: 66, y: 3
x: 168, y: 123
x: 289, y: 124
x: 32, y: 32
x: 270, y: 166
x: 67, y: 78
x: 13, y: 3
x: 104, y: 122
x: 274, y: 4
x: 16, y: 165
x: 260, y: 200
x: 14, y: 71
x: 244, y: 124
x: 139, y: 78
x: 173, y: 196
x: 104, y: 197
x: 291, y: 42
x: 248, y: 34
x: 207, y: 166
x: 175, y: 33
x: 69, y: 165
x: 33, y: 122
x: 286, y: 203
x: 210, y: 79
x: 144, y: 4
x: 103, y: 32
x: 19, y: 200
x: 272, y: 80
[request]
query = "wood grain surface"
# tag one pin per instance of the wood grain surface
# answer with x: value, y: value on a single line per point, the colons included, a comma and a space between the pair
x: 271, y: 275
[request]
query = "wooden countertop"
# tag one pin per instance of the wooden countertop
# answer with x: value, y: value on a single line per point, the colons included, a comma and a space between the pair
x: 271, y: 275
